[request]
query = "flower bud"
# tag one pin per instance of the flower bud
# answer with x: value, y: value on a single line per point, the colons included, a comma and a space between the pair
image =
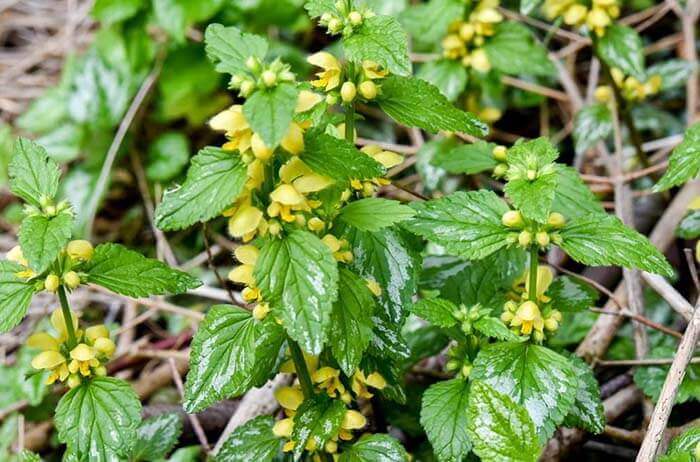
x: 524, y: 238
x: 51, y: 283
x: 603, y: 94
x: 315, y: 224
x: 71, y: 279
x: 507, y: 316
x: 100, y: 371
x: 335, y: 25
x: 538, y: 336
x: 551, y: 324
x: 348, y: 92
x: 325, y: 17
x: 260, y: 311
x: 331, y: 99
x: 247, y: 87
x: 466, y: 370
x: 512, y: 219
x: 368, y: 89
x: 237, y: 80
x: 531, y: 175
x: 499, y: 153
x: 79, y: 250
x: 542, y: 238
x: 452, y: 365
x: 556, y: 220
x: 73, y: 381
x: 355, y: 18
x: 253, y: 64
x: 500, y: 170
x: 269, y: 78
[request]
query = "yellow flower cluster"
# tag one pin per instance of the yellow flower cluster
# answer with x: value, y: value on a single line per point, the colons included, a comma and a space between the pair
x: 71, y: 365
x: 364, y: 82
x: 344, y: 20
x: 596, y: 14
x: 78, y: 251
x: 261, y: 76
x: 465, y: 39
x: 533, y: 233
x: 630, y: 87
x: 532, y: 317
x: 388, y: 159
x: 326, y: 380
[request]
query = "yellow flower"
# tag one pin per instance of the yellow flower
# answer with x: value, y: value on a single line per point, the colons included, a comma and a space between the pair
x: 283, y: 428
x: 545, y: 276
x: 307, y: 100
x: 575, y: 15
x: 58, y: 323
x: 234, y: 124
x: 244, y: 220
x: 527, y: 317
x: 372, y: 70
x: 480, y: 61
x: 329, y: 78
x: 290, y: 398
x: 360, y: 382
x: 353, y: 420
x: 15, y: 255
x: 328, y: 378
x: 80, y: 250
x: 83, y: 358
x: 54, y: 362
x: 260, y: 149
x: 293, y: 141
x: 388, y: 159
x: 243, y: 274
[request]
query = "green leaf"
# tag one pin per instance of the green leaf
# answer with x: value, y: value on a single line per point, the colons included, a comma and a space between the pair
x: 467, y: 224
x: 157, y: 436
x: 167, y: 156
x: 252, y: 441
x: 569, y: 294
x: 447, y: 75
x: 428, y: 22
x: 186, y: 454
x: 384, y: 257
x: 380, y: 39
x: 98, y: 419
x: 592, y: 124
x: 622, y: 47
x: 494, y: 328
x: 337, y: 158
x: 683, y: 447
x: 269, y: 112
x: 111, y: 11
x: 572, y: 198
x: 443, y: 415
x: 650, y: 379
x: 375, y: 448
x: 416, y: 103
x: 222, y: 357
x: 689, y: 227
x: 298, y: 276
x: 535, y: 377
x: 46, y: 112
x: 684, y: 163
x: 436, y: 311
x: 601, y: 240
x: 513, y: 50
x: 33, y: 175
x: 127, y: 272
x: 229, y: 48
x: 15, y: 295
x: 373, y: 213
x: 467, y: 158
x: 351, y: 320
x: 42, y: 238
x: 587, y: 411
x: 214, y: 180
x: 500, y: 429
x: 674, y: 73
x: 316, y: 8
x: 318, y: 419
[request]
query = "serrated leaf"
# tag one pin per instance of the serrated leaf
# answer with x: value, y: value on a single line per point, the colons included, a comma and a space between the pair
x: 374, y: 213
x: 269, y: 112
x: 15, y: 295
x: 222, y: 357
x: 167, y: 156
x: 384, y: 257
x: 351, y: 320
x: 673, y: 72
x: 214, y: 180
x: 689, y: 227
x: 685, y: 443
x: 436, y: 311
x: 535, y: 377
x: 229, y: 48
x: 33, y: 175
x: 42, y: 238
x: 416, y: 103
x: 569, y: 294
x: 684, y: 163
x: 427, y: 22
x: 494, y: 328
x: 587, y: 411
x: 252, y: 441
x: 127, y: 272
x: 572, y: 198
x: 467, y: 158
x: 444, y: 417
x: 621, y: 47
x: 533, y: 198
x: 447, y: 75
x: 317, y: 420
x: 499, y: 428
x: 380, y: 39
x: 316, y: 8
x: 592, y: 124
x: 157, y: 436
x: 98, y: 419
x: 467, y: 224
x: 298, y: 276
x: 513, y: 50
x: 337, y: 158
x: 601, y: 240
x: 375, y: 448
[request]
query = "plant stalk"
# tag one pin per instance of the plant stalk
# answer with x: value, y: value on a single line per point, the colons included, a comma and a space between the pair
x: 534, y: 257
x: 307, y: 387
x: 350, y: 123
x: 67, y: 317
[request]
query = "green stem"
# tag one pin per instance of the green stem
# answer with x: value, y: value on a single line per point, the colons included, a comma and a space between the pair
x: 534, y: 256
x: 302, y: 371
x: 67, y: 317
x: 350, y: 123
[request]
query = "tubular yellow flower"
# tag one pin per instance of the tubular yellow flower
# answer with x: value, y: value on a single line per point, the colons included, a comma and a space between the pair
x: 575, y: 15
x: 48, y: 360
x: 293, y: 141
x: 512, y: 219
x: 242, y: 274
x: 51, y: 283
x: 260, y: 150
x: 360, y: 382
x: 105, y: 346
x: 43, y: 341
x: 83, y: 358
x: 348, y: 92
x: 245, y: 220
x: 92, y: 333
x: 15, y: 255
x: 234, y: 124
x: 290, y: 398
x: 312, y: 182
x: 480, y: 61
x: 353, y: 420
x: 283, y: 428
x: 328, y: 379
x: 368, y: 89
x: 58, y: 323
x: 373, y: 71
x: 329, y: 78
x: 260, y: 311
x: 80, y: 250
x: 307, y: 100
x: 71, y: 279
